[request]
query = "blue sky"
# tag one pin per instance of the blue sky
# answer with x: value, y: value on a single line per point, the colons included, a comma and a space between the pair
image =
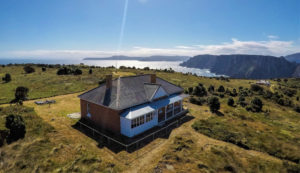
x: 80, y: 28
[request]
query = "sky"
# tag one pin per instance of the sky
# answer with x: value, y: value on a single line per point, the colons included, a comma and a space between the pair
x: 101, y: 28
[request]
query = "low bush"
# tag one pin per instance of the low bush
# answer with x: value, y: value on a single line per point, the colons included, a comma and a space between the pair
x: 68, y: 71
x: 230, y: 101
x: 211, y: 89
x: 221, y: 89
x: 289, y: 92
x: 16, y: 126
x: 7, y: 78
x: 29, y: 69
x: 197, y: 100
x: 297, y: 108
x: 256, y: 88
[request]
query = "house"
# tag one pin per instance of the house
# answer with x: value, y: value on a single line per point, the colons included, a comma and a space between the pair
x: 131, y: 105
x: 263, y: 82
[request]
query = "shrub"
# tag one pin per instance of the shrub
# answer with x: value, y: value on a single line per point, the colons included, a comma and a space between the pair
x: 242, y: 101
x: 297, y: 108
x: 256, y: 105
x: 199, y: 90
x: 77, y: 72
x: 228, y: 92
x: 90, y: 71
x: 256, y: 88
x: 190, y: 90
x: 243, y: 93
x: 230, y: 101
x: 214, y: 104
x: 16, y: 126
x: 297, y: 98
x: 221, y: 89
x: 29, y: 69
x: 21, y: 93
x: 43, y: 69
x: 233, y: 93
x: 7, y: 78
x: 280, y: 101
x: 268, y: 94
x: 197, y: 101
x: 63, y: 71
x: 211, y: 89
x: 146, y: 68
x: 289, y: 92
x: 241, y: 98
x: 221, y: 95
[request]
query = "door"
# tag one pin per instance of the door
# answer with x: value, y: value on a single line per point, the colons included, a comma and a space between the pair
x: 161, y: 114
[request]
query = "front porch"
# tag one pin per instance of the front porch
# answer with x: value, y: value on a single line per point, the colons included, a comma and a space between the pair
x: 144, y: 117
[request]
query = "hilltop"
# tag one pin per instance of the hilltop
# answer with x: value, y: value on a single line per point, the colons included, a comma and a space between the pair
x: 293, y: 57
x: 245, y: 66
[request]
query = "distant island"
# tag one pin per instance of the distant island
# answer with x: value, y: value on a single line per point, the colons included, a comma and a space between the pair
x: 245, y: 66
x: 150, y: 58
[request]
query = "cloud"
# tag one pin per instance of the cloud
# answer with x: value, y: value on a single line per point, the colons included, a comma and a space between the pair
x: 270, y: 47
x: 273, y: 37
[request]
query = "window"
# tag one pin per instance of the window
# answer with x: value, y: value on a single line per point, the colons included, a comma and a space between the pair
x: 170, y: 107
x: 137, y: 121
x: 88, y: 110
x: 88, y: 107
x: 177, y: 107
x: 149, y: 116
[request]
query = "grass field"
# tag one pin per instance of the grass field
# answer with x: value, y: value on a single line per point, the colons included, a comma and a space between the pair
x: 208, y: 143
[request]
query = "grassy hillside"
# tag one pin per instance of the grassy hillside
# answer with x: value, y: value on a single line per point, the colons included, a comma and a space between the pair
x: 234, y: 140
x: 40, y: 152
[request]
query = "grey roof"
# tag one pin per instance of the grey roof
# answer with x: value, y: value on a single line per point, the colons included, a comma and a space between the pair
x: 128, y: 92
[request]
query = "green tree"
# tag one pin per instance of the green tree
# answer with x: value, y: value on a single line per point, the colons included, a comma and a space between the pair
x: 7, y: 78
x: 21, y: 93
x: 90, y: 71
x: 214, y: 104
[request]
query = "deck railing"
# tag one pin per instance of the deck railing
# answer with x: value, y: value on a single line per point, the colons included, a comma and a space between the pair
x: 136, y: 142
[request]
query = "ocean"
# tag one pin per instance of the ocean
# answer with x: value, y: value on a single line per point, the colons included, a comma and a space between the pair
x: 105, y: 63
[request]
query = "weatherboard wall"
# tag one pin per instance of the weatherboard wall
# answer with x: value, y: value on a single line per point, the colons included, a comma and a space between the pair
x: 130, y: 132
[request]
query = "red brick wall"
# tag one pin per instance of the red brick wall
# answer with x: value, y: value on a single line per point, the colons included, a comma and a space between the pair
x: 102, y: 116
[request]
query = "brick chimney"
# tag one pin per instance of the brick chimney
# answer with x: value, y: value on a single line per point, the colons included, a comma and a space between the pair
x: 153, y: 78
x: 108, y: 81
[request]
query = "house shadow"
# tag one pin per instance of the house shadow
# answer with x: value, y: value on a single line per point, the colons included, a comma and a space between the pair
x: 117, y: 143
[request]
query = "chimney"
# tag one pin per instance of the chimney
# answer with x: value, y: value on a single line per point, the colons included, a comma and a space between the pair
x: 108, y: 81
x: 153, y: 78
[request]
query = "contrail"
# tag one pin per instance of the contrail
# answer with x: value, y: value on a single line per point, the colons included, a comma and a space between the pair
x: 123, y: 26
